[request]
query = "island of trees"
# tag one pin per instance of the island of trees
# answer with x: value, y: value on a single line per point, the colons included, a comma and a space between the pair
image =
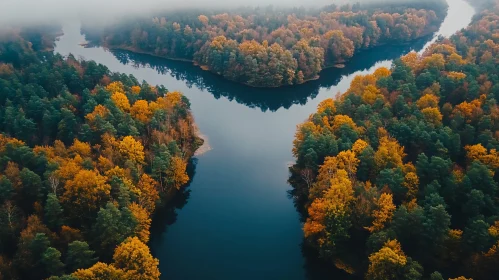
x: 86, y: 155
x: 270, y: 47
x: 398, y: 176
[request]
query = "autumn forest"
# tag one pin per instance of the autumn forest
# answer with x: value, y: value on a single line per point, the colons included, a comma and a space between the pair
x: 86, y: 156
x: 393, y: 174
x: 272, y: 47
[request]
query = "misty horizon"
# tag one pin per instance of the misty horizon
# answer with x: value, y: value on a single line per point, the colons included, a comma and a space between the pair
x: 105, y: 10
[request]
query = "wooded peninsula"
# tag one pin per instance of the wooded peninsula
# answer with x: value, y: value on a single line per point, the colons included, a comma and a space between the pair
x: 272, y: 47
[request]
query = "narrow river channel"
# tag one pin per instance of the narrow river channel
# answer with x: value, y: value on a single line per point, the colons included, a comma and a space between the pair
x: 236, y: 220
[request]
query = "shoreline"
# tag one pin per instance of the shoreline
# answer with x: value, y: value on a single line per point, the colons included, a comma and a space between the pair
x: 205, y: 147
x: 338, y: 64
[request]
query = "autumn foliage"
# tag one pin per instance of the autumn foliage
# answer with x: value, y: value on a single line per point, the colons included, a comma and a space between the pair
x: 273, y: 46
x: 401, y: 169
x: 87, y: 155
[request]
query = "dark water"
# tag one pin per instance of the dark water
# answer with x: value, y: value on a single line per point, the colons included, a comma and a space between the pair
x: 236, y: 219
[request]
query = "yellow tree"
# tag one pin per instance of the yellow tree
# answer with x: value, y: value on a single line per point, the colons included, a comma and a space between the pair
x: 86, y: 192
x: 141, y: 111
x: 115, y: 87
x: 359, y: 146
x: 176, y: 172
x: 382, y: 72
x: 478, y: 152
x: 143, y: 222
x: 121, y: 101
x: 134, y: 257
x: 411, y: 183
x: 100, y: 111
x: 384, y: 264
x: 370, y: 94
x: 100, y: 271
x: 475, y: 152
x: 203, y: 19
x: 132, y: 149
x: 349, y: 162
x: 81, y: 148
x: 326, y: 106
x: 136, y: 89
x: 147, y: 193
x: 341, y: 190
x: 427, y: 101
x: 69, y: 168
x: 432, y: 115
x: 389, y: 154
x: 360, y: 82
x: 340, y: 120
x: 316, y: 216
x: 326, y: 172
x: 411, y: 59
x: 435, y: 60
x: 172, y: 99
x: 494, y: 230
x: 104, y: 164
x: 456, y: 75
x: 12, y: 172
x: 335, y: 205
x: 383, y: 213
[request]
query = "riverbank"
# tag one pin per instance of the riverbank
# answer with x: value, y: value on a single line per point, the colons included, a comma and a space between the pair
x: 205, y: 147
x: 338, y: 64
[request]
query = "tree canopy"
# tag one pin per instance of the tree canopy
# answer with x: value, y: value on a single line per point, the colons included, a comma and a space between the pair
x: 85, y: 157
x: 400, y: 171
x: 270, y: 47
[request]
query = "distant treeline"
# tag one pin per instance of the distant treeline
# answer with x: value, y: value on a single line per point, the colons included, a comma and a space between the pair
x: 270, y: 47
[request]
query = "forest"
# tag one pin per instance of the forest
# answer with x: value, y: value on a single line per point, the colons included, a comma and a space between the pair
x: 271, y: 47
x: 86, y: 156
x: 397, y: 177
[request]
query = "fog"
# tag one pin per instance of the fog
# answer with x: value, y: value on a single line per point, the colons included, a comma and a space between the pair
x: 32, y: 11
x: 35, y: 11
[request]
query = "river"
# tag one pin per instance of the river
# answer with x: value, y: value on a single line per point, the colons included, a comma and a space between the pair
x: 236, y: 219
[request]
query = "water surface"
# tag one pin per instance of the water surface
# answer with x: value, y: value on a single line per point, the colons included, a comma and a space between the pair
x: 236, y: 219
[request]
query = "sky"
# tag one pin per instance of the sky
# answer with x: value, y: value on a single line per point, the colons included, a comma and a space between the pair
x: 35, y: 11
x: 32, y: 11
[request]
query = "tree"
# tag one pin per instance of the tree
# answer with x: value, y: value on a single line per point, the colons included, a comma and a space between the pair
x: 85, y: 193
x: 134, y: 257
x: 140, y: 111
x: 329, y: 217
x: 53, y: 212
x: 112, y: 226
x: 384, y: 213
x: 389, y: 154
x: 79, y: 256
x: 476, y: 236
x: 51, y: 259
x: 132, y: 149
x: 32, y: 186
x: 390, y: 262
x: 385, y: 263
x: 176, y: 172
x: 6, y: 189
x: 121, y: 101
x: 143, y: 222
x: 148, y: 195
x: 436, y: 276
x: 432, y: 115
x: 100, y: 271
